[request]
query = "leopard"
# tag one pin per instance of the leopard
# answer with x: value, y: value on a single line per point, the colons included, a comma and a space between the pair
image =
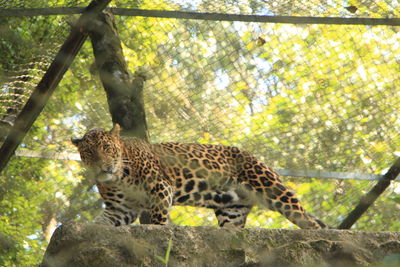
x: 133, y: 176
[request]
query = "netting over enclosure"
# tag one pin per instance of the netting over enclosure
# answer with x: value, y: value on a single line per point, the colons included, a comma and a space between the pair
x: 301, y: 97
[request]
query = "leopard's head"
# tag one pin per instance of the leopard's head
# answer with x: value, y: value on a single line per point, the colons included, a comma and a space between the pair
x: 101, y: 151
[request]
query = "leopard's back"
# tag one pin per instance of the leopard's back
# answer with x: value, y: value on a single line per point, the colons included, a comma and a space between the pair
x: 186, y: 161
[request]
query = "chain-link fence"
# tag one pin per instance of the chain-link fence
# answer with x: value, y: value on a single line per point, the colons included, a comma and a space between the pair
x: 305, y: 98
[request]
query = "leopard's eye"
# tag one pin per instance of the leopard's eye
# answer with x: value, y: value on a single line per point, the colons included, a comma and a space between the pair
x: 87, y: 157
x: 105, y: 147
x: 90, y: 155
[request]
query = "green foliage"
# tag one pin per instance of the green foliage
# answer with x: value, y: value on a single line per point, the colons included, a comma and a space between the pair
x: 165, y: 260
x: 307, y: 97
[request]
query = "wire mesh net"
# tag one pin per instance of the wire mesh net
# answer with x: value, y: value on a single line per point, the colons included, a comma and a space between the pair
x: 24, y: 67
x: 299, y: 97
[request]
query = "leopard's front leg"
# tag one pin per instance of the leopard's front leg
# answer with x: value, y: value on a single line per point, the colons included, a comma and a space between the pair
x: 161, y: 196
x: 116, y: 216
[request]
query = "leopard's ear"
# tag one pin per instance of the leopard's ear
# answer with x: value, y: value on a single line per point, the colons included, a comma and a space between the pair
x: 116, y: 129
x: 76, y: 141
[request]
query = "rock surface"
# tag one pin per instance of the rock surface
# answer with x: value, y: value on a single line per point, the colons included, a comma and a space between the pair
x: 147, y: 245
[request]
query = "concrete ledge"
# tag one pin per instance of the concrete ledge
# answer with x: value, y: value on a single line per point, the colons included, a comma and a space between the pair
x: 139, y: 245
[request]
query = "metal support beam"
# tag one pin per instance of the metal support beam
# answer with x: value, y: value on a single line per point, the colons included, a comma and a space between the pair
x: 52, y: 155
x: 371, y: 196
x: 24, y: 12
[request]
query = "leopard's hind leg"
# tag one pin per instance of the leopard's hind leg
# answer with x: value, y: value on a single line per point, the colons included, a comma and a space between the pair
x: 231, y: 206
x: 232, y: 216
x: 270, y: 191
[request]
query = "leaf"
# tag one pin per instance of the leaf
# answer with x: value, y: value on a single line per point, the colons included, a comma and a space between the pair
x: 352, y: 9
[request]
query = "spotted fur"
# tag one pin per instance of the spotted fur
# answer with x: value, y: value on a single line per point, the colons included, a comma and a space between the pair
x: 133, y: 176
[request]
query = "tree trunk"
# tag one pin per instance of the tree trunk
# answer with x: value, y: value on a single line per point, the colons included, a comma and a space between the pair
x: 124, y: 95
